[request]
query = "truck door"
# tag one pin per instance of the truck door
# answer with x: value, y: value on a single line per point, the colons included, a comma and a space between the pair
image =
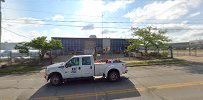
x: 72, y: 68
x: 87, y: 68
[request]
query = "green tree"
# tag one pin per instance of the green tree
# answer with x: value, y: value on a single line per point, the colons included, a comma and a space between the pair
x: 41, y: 44
x: 160, y: 40
x: 134, y: 43
x: 22, y: 47
x: 148, y: 37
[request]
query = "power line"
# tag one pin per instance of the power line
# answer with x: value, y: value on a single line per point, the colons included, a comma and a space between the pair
x: 45, y: 12
x: 67, y: 21
x: 48, y: 12
x: 79, y: 21
x: 116, y: 17
x: 65, y: 25
x: 15, y: 33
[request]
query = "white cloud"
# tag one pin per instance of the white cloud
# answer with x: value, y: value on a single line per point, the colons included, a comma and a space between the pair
x: 92, y: 11
x: 194, y: 14
x: 182, y: 32
x: 58, y: 18
x: 96, y: 7
x: 32, y: 21
x: 11, y: 37
x: 31, y: 27
x: 107, y: 31
x: 118, y: 33
x: 88, y: 27
x: 14, y: 29
x: 23, y: 22
x: 166, y: 15
x: 169, y: 10
x: 55, y: 31
x: 186, y: 35
x: 118, y: 4
x: 35, y: 34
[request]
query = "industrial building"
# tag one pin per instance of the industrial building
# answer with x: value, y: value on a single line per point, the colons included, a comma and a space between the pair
x: 8, y: 46
x: 91, y: 45
x: 187, y: 45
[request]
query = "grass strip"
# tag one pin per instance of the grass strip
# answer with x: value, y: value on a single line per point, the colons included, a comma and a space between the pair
x: 19, y: 69
x: 155, y: 62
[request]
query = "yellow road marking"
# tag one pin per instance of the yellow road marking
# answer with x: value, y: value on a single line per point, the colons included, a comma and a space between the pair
x: 177, y: 85
x: 122, y: 91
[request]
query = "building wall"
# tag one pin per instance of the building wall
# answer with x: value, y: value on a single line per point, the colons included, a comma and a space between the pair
x: 88, y: 45
x: 99, y: 45
x: 187, y: 45
x: 106, y: 44
x: 118, y: 45
x: 71, y: 45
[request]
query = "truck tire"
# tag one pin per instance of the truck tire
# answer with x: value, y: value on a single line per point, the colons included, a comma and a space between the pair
x: 113, y: 76
x: 55, y: 80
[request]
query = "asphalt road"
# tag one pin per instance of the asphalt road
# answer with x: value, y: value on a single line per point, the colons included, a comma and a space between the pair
x: 159, y: 82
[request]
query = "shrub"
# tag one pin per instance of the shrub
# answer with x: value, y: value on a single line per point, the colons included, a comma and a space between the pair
x: 155, y: 54
x: 164, y: 54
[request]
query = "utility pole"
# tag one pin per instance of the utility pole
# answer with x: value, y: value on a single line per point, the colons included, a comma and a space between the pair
x: 102, y: 25
x: 102, y: 38
x: 0, y: 22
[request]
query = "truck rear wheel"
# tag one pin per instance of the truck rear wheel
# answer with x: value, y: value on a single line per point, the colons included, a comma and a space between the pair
x: 56, y: 79
x: 113, y: 76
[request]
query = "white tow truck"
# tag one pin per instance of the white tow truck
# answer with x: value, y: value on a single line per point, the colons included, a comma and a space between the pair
x: 83, y: 66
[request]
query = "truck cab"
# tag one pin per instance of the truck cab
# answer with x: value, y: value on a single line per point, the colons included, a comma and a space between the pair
x: 79, y: 66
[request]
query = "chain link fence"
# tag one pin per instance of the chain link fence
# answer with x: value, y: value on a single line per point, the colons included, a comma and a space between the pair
x: 11, y: 57
x: 192, y: 48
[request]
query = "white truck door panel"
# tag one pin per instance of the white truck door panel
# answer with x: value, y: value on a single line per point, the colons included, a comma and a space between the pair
x: 72, y: 71
x: 87, y: 67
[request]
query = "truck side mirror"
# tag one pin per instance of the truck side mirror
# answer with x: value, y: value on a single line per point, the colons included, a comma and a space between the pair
x: 67, y: 65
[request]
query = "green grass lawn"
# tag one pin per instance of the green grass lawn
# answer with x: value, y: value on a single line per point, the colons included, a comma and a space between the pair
x: 15, y: 69
x: 154, y: 62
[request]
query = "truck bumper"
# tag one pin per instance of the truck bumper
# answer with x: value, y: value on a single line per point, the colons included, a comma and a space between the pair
x: 126, y: 71
x: 46, y: 77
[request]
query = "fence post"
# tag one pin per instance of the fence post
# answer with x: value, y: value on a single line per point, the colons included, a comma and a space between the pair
x: 195, y: 51
x: 10, y: 58
x: 189, y: 49
x: 171, y: 51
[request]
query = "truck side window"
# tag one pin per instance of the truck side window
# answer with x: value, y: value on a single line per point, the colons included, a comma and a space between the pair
x: 86, y: 61
x: 74, y: 62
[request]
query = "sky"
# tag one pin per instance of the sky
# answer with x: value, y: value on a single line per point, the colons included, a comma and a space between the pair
x: 23, y: 20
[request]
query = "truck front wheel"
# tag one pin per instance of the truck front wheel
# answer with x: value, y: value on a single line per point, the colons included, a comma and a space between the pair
x: 55, y: 80
x: 113, y: 76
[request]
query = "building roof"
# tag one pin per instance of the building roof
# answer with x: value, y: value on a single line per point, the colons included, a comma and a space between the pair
x: 86, y: 38
x: 82, y: 55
